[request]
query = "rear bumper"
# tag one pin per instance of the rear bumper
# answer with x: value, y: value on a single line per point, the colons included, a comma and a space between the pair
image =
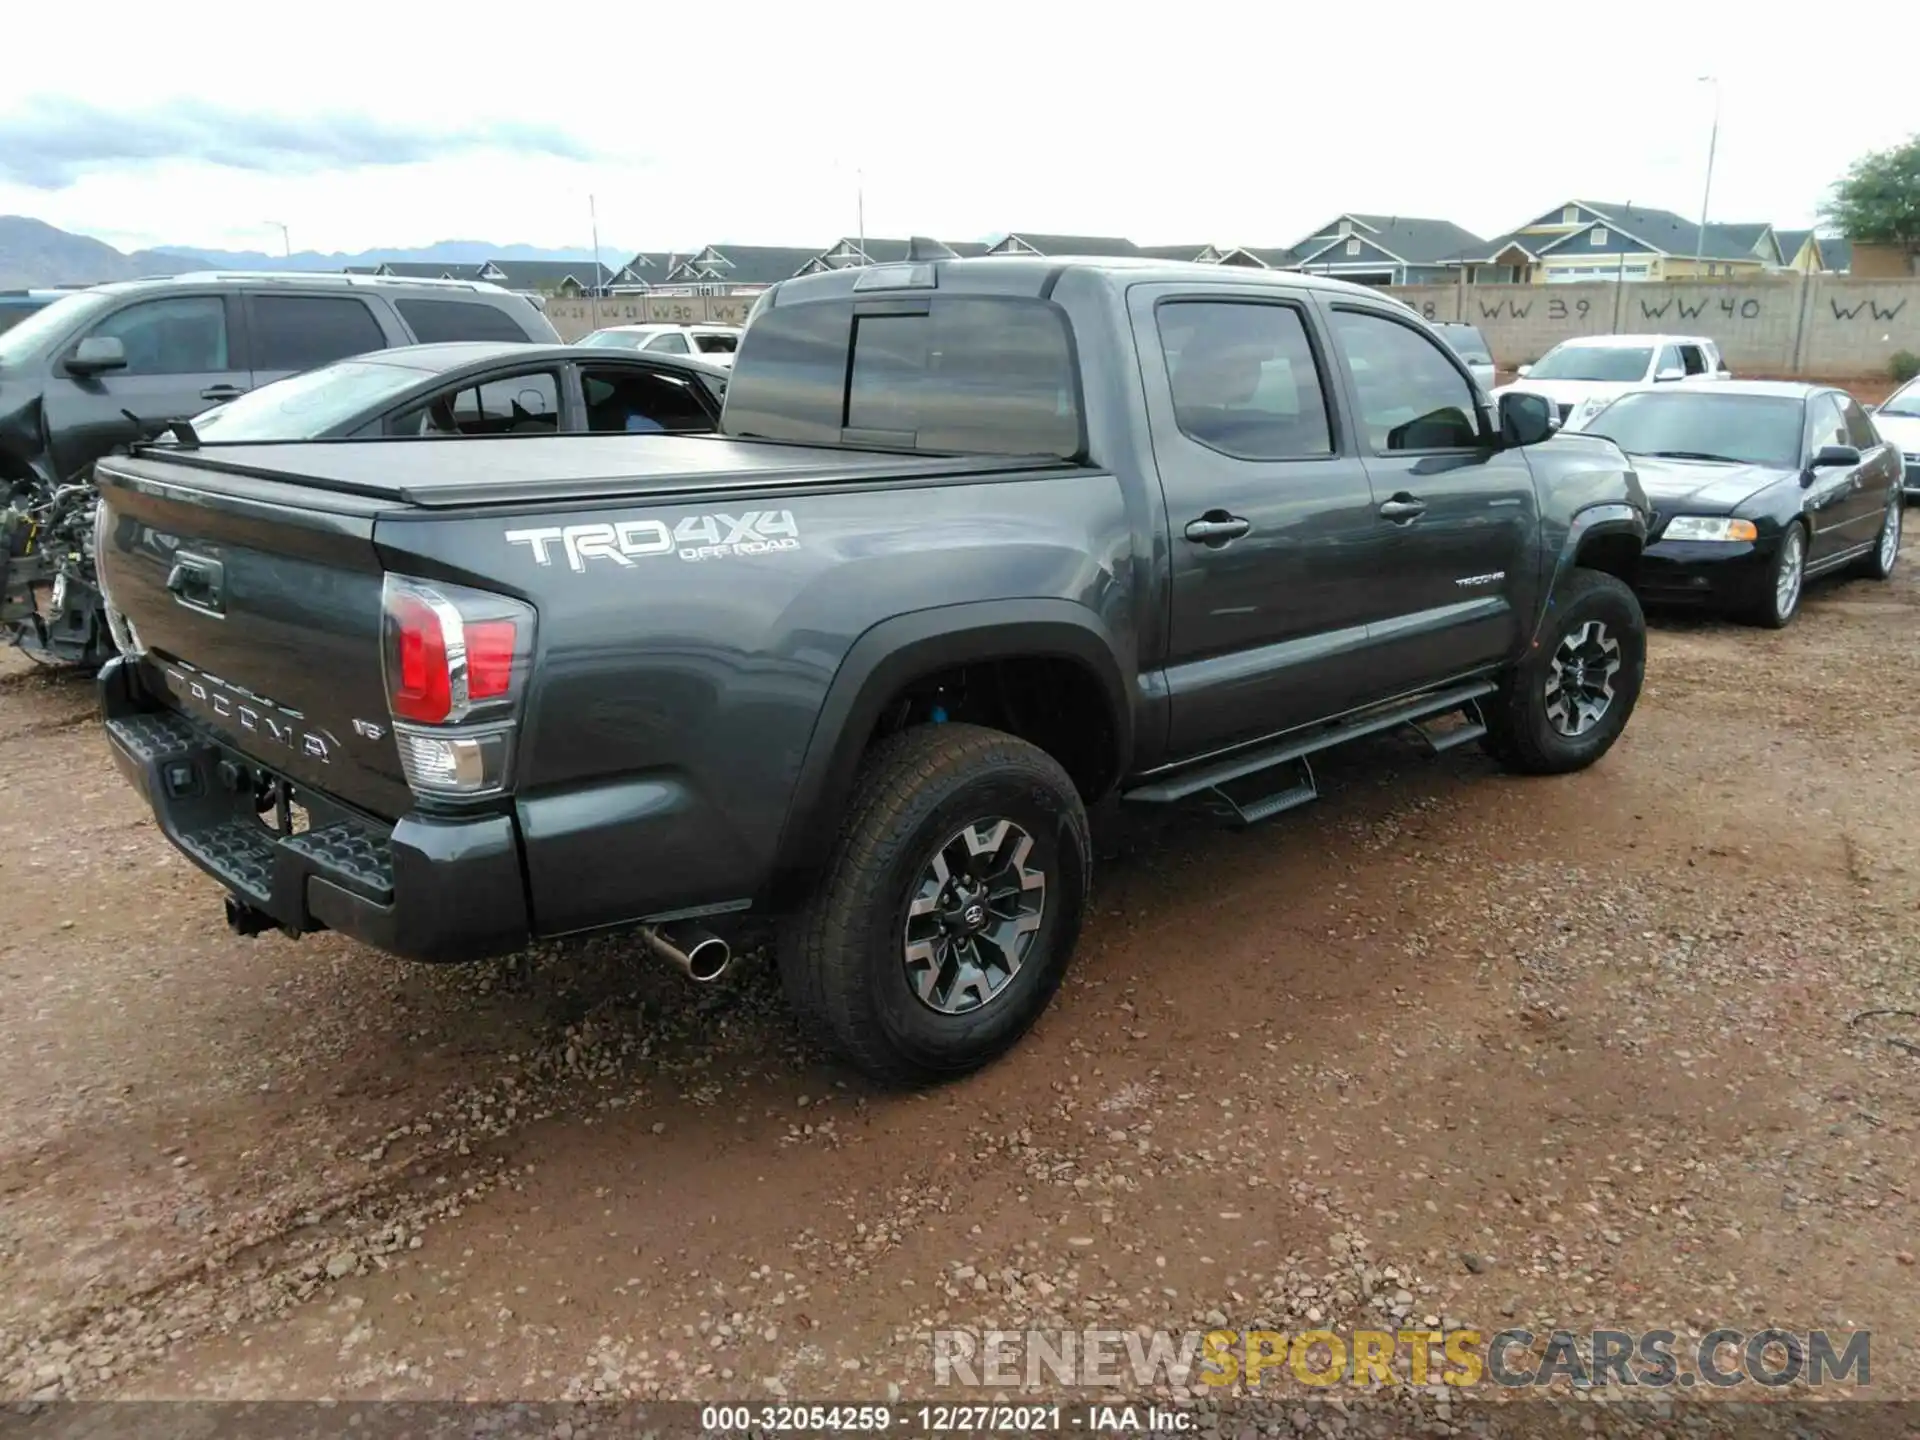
x: 425, y: 888
x: 1704, y: 571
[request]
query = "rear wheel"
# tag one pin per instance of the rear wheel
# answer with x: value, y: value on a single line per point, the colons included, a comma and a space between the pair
x: 1886, y: 549
x: 946, y: 917
x: 1777, y: 600
x: 1562, y: 707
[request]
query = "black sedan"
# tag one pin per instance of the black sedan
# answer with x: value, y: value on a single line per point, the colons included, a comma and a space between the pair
x: 1757, y: 486
x: 491, y: 388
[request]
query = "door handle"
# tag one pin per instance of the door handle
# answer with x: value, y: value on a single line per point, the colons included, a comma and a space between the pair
x: 197, y: 583
x: 1403, y: 509
x: 1216, y: 527
x: 222, y: 392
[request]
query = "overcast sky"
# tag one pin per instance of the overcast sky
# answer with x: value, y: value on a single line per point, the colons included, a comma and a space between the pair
x: 1220, y: 123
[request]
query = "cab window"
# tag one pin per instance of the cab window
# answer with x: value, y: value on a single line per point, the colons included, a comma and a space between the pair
x: 1410, y: 393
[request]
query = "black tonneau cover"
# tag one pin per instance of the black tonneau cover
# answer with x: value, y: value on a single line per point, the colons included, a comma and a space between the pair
x: 446, y: 474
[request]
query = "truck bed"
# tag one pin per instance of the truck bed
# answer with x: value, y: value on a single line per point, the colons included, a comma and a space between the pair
x: 454, y: 473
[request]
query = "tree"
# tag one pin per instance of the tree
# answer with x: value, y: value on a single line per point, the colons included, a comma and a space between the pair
x: 1877, y: 202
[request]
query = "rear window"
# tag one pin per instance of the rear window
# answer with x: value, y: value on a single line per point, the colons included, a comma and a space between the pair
x: 1466, y: 343
x: 298, y: 332
x: 435, y: 322
x: 979, y: 375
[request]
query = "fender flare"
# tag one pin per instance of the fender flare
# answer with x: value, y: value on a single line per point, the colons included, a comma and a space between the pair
x: 1613, y: 517
x: 894, y: 653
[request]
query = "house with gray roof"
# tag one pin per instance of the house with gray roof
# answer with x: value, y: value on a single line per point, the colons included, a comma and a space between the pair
x: 853, y: 250
x: 1381, y: 249
x: 1033, y: 243
x: 547, y: 277
x: 1602, y: 240
x: 1811, y: 253
x: 746, y: 267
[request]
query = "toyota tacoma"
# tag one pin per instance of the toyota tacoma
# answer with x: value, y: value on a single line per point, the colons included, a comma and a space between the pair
x: 982, y: 542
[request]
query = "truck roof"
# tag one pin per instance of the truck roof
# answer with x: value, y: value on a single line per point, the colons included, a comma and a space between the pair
x: 1037, y: 274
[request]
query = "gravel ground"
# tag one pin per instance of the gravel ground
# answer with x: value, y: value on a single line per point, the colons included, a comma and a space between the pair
x: 1448, y: 1047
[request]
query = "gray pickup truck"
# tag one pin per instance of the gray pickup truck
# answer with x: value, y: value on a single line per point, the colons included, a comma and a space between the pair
x: 984, y: 541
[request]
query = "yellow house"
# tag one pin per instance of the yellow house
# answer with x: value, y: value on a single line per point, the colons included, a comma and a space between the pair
x: 1597, y: 240
x: 1812, y: 254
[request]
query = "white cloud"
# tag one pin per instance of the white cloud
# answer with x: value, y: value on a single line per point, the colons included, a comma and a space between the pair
x: 1218, y: 124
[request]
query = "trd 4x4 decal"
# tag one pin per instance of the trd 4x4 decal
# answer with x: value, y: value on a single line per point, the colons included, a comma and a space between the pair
x: 695, y: 537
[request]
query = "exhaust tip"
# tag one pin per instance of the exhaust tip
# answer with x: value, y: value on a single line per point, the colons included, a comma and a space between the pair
x: 708, y: 960
x: 697, y: 954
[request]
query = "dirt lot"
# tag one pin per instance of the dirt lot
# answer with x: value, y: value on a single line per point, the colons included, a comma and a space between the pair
x: 1449, y: 1046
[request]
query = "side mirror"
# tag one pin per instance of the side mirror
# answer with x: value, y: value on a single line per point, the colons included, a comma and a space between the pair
x: 1526, y: 419
x: 97, y: 354
x: 1524, y: 370
x: 1672, y: 372
x: 1871, y: 409
x: 1828, y: 456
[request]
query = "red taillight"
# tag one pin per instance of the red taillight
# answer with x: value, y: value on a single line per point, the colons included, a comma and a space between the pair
x: 422, y: 686
x: 490, y: 645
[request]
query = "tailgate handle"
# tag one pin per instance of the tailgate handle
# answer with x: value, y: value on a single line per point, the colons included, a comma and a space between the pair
x: 197, y: 583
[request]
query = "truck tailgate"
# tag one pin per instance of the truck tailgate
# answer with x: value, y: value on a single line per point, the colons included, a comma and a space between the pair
x: 258, y: 606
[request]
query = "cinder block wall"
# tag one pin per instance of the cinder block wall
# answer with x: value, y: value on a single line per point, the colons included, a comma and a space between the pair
x: 1831, y: 325
x: 574, y: 318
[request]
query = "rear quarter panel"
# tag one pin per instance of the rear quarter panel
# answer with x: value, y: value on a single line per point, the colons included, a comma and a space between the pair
x: 675, y: 698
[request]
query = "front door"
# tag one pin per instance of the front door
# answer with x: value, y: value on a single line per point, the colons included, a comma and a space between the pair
x: 180, y: 361
x: 1458, y: 517
x: 1269, y: 511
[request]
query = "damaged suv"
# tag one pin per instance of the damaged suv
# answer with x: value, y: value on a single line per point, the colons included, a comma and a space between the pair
x: 100, y: 368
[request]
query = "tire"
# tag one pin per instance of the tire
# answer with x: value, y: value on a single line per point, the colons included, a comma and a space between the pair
x: 1879, y: 563
x: 1774, y: 602
x: 865, y: 972
x: 1594, y: 624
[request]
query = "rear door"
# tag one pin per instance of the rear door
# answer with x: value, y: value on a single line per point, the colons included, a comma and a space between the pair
x: 641, y: 399
x: 1842, y: 515
x: 293, y: 332
x: 1269, y: 507
x: 1456, y: 565
x: 182, y: 357
x: 1878, y: 475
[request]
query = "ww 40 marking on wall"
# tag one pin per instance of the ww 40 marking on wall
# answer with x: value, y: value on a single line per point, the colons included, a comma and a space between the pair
x: 694, y: 537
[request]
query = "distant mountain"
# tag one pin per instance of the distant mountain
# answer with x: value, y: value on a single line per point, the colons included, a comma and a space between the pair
x: 33, y: 252
x: 441, y: 252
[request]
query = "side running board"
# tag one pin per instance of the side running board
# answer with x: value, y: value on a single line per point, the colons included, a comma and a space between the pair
x: 1277, y: 777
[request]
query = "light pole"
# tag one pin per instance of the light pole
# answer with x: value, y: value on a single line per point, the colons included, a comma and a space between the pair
x: 286, y: 237
x: 599, y: 275
x: 1713, y: 143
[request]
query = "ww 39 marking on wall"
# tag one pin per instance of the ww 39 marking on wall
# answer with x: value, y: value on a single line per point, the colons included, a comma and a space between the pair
x: 1558, y: 308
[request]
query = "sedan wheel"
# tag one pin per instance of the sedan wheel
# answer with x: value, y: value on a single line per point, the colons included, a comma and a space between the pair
x: 1779, y: 599
x: 1886, y: 554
